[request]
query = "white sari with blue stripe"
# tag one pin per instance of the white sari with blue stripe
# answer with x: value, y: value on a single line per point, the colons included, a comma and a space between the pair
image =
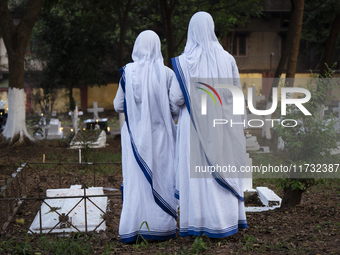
x: 209, y: 206
x: 148, y: 144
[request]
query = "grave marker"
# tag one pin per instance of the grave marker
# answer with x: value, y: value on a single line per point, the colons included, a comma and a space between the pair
x: 95, y: 110
x: 72, y: 214
x: 55, y: 131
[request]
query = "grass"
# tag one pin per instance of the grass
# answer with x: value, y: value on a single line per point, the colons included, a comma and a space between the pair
x: 78, y: 244
x: 199, y: 246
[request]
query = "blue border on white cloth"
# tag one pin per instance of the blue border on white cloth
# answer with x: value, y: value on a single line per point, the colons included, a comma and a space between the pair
x: 122, y: 190
x: 177, y: 194
x: 152, y: 235
x: 213, y: 233
x: 181, y: 80
x: 142, y: 164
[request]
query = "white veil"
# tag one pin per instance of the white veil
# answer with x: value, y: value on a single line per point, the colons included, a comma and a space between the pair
x: 204, y: 58
x: 148, y: 116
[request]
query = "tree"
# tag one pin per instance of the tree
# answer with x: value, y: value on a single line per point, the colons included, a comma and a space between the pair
x: 123, y: 15
x: 328, y: 54
x: 295, y: 25
x: 74, y: 39
x: 292, y: 42
x: 307, y: 144
x: 16, y: 38
x: 175, y: 17
x: 321, y: 28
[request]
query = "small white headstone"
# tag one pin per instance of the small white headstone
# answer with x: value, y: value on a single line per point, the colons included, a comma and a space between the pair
x: 251, y: 143
x: 55, y: 131
x: 264, y: 149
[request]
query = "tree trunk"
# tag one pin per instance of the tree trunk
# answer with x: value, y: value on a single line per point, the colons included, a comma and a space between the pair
x: 71, y: 98
x: 291, y: 198
x: 16, y: 39
x: 15, y: 132
x: 167, y: 21
x: 296, y: 27
x: 284, y: 56
x: 328, y: 53
x: 122, y: 23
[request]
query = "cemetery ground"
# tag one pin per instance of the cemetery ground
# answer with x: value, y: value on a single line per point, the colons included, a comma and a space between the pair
x: 313, y: 227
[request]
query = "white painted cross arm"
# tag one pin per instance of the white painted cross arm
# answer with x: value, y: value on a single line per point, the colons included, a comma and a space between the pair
x: 2, y: 104
x: 95, y: 110
x: 79, y: 113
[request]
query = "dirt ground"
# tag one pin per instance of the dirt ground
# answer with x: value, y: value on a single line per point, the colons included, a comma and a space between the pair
x: 311, y: 228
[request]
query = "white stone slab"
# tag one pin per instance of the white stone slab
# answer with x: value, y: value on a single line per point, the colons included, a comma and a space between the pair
x: 259, y: 209
x: 268, y: 197
x: 77, y: 215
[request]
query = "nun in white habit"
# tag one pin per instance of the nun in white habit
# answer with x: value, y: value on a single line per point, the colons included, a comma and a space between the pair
x: 211, y: 206
x: 148, y: 143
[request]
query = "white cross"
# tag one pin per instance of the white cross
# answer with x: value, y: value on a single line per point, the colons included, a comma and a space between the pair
x: 2, y: 104
x: 337, y: 109
x: 323, y: 110
x: 95, y: 110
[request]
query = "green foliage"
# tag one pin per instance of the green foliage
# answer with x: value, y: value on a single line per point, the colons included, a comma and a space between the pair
x: 108, y: 248
x: 75, y: 245
x: 311, y: 141
x: 144, y: 243
x: 71, y: 39
x: 317, y: 20
x: 86, y: 137
x: 248, y: 242
x: 198, y: 246
x: 16, y: 247
x: 36, y: 122
x: 226, y: 14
